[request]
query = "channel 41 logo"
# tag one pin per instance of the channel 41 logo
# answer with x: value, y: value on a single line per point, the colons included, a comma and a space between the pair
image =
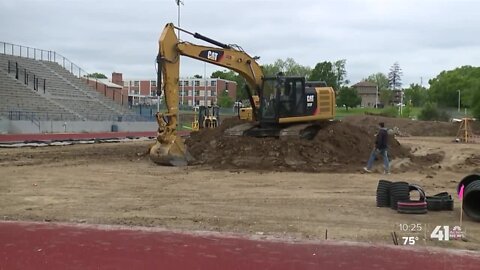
x: 443, y: 233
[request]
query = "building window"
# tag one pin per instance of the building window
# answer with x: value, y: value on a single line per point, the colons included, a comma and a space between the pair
x: 180, y: 83
x: 214, y: 93
x: 185, y: 83
x: 213, y: 83
x: 197, y: 83
x: 153, y: 83
x: 197, y: 92
x: 189, y: 93
x: 153, y: 93
x: 136, y: 83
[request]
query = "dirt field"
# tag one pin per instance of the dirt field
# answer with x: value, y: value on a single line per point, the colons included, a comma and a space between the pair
x: 112, y: 184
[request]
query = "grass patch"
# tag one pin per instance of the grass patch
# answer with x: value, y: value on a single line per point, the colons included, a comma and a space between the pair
x: 389, y: 111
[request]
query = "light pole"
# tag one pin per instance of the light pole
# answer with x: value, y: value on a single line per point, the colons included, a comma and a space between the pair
x: 458, y: 100
x: 205, y: 86
x: 178, y: 15
x: 401, y: 102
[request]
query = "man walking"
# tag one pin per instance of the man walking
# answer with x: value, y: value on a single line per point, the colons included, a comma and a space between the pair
x: 381, y: 146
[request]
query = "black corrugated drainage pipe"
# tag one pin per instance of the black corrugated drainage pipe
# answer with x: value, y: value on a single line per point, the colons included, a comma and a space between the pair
x: 471, y: 195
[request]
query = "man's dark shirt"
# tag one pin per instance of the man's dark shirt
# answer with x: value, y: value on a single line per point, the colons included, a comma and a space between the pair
x: 382, y: 139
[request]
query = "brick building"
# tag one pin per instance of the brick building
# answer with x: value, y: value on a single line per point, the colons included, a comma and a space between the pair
x: 195, y: 91
x: 192, y: 91
x: 109, y: 89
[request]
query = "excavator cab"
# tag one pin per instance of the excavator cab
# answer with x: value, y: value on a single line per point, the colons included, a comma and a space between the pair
x: 282, y: 97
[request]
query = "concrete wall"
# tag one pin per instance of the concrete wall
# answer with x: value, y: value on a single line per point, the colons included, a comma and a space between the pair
x: 25, y: 127
x: 3, y: 126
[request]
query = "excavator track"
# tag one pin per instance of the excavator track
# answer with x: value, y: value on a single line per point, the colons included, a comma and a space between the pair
x: 300, y: 131
x: 240, y: 130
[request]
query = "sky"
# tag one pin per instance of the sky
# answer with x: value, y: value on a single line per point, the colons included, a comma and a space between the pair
x: 424, y: 37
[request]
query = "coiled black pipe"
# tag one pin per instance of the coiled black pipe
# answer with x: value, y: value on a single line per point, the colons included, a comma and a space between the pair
x: 471, y: 195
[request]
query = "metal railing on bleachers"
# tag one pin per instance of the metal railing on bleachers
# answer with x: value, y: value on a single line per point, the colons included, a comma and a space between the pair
x: 64, y: 70
x: 40, y: 54
x: 39, y: 116
x: 48, y: 116
x: 27, y: 77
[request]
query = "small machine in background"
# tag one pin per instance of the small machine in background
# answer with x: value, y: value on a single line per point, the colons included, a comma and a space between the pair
x: 208, y: 117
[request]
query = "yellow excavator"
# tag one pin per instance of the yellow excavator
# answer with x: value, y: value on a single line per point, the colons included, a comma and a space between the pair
x: 281, y: 106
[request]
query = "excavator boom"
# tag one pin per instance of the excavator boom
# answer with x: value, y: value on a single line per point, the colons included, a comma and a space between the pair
x: 169, y: 148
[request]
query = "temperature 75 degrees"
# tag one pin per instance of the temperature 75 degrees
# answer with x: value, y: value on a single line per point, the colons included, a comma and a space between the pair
x: 409, y: 240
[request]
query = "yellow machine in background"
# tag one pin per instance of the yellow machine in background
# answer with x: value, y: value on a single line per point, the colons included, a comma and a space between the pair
x: 195, y: 123
x: 209, y: 116
x: 205, y: 117
x: 246, y: 113
x: 280, y: 105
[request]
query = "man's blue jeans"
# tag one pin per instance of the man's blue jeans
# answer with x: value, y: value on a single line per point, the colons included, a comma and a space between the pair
x: 384, y: 154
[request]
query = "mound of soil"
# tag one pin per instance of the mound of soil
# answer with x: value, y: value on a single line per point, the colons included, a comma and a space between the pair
x: 338, y: 147
x: 405, y: 126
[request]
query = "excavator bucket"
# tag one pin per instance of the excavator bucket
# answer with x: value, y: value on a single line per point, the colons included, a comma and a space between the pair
x: 171, y: 154
x: 169, y: 149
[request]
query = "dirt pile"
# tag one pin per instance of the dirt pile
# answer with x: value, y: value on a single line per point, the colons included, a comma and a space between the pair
x: 405, y: 126
x: 338, y: 147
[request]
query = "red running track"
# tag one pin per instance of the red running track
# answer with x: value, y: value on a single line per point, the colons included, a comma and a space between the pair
x: 67, y: 246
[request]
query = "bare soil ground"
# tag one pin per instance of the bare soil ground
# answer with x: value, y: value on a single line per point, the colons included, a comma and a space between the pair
x: 113, y: 184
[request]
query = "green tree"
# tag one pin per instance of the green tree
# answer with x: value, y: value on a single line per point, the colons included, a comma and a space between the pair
x: 340, y: 72
x: 224, y: 74
x: 97, y: 75
x: 415, y: 95
x: 196, y: 76
x: 224, y: 100
x: 325, y: 71
x: 430, y: 112
x: 233, y: 76
x: 444, y: 89
x: 406, y: 112
x: 272, y: 69
x: 380, y: 79
x: 395, y: 77
x: 348, y: 97
x: 385, y: 96
x: 288, y: 67
x: 475, y: 105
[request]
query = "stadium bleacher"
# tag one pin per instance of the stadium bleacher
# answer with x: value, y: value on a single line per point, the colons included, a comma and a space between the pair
x: 60, y: 96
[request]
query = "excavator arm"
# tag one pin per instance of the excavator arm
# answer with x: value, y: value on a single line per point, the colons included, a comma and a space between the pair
x: 170, y: 148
